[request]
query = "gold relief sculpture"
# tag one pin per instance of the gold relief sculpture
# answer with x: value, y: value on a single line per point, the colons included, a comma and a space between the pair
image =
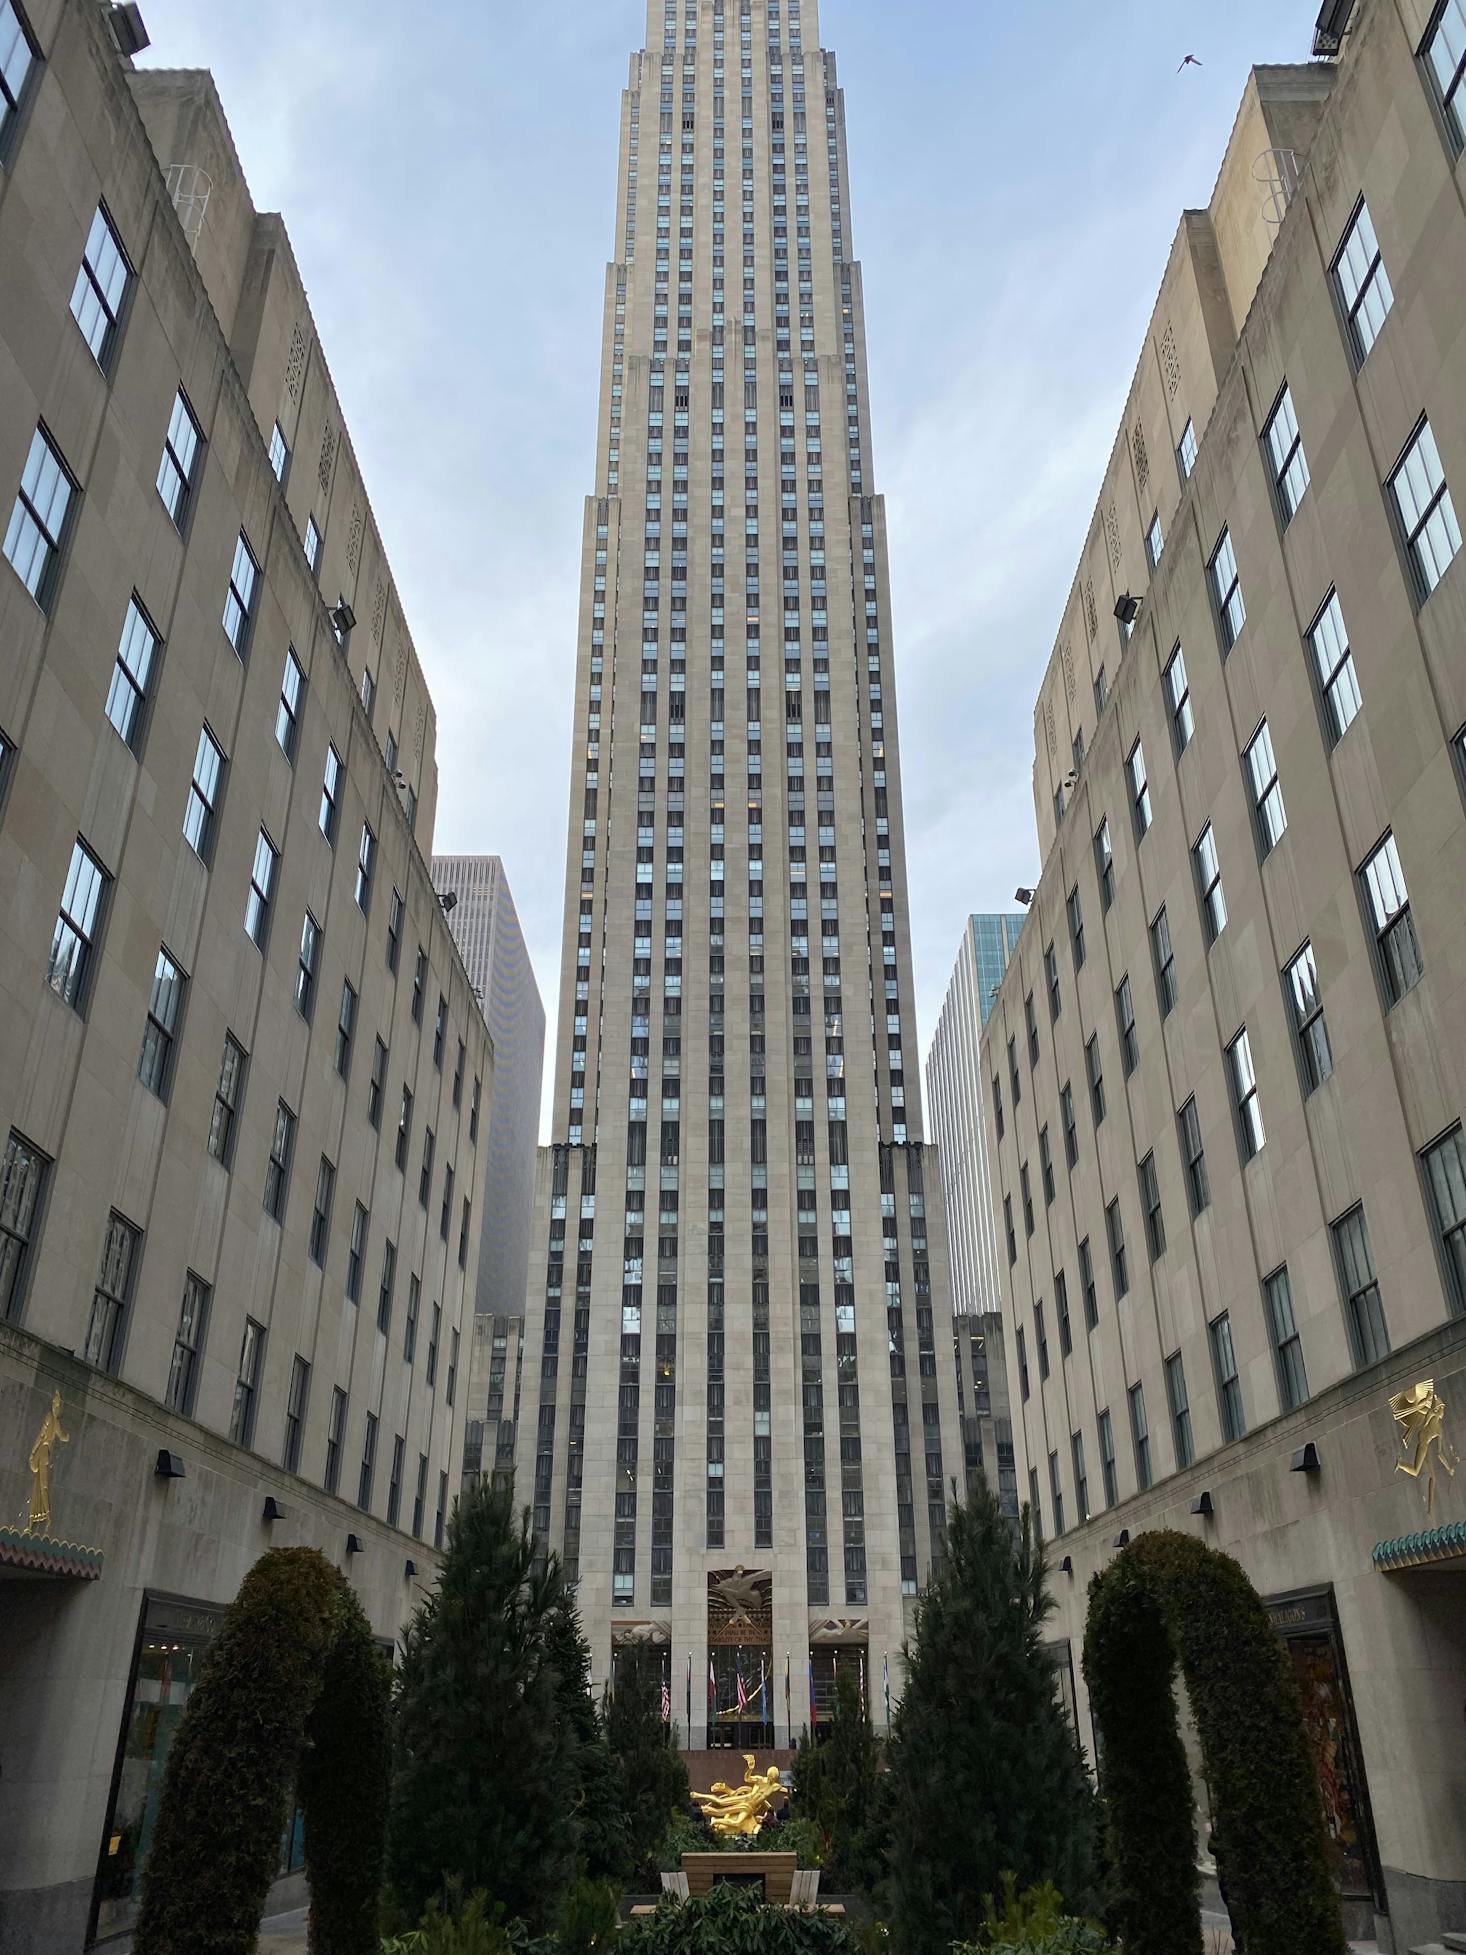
x: 48, y: 1439
x: 1420, y: 1411
x: 731, y: 1810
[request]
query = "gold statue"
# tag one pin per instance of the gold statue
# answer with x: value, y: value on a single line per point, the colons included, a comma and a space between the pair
x: 741, y: 1809
x: 48, y: 1439
x: 1421, y: 1412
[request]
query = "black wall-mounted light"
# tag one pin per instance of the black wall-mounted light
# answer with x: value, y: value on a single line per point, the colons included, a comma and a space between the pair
x: 1127, y: 608
x: 1202, y: 1505
x: 1023, y: 896
x: 127, y: 28
x: 343, y: 618
x: 272, y: 1510
x: 169, y: 1466
x: 1306, y: 1459
x: 1066, y: 1566
x: 353, y: 1544
x: 1122, y: 1539
x: 409, y: 1569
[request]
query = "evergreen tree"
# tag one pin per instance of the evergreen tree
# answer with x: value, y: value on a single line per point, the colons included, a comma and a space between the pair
x: 605, y: 1836
x: 835, y: 1779
x: 484, y: 1780
x: 646, y: 1748
x: 985, y: 1773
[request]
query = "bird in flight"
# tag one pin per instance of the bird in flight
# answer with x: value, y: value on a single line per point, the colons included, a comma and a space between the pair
x: 1189, y: 62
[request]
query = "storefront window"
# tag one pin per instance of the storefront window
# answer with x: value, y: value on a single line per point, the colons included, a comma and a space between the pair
x: 174, y: 1639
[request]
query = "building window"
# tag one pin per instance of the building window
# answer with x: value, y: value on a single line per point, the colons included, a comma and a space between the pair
x: 1180, y: 1410
x: 1287, y: 1344
x: 1125, y: 1019
x: 394, y: 931
x: 368, y: 692
x: 1178, y: 692
x: 1244, y: 1095
x: 247, y: 1383
x: 1388, y: 902
x: 277, y: 1167
x: 1155, y: 541
x: 1139, y: 790
x: 458, y: 1074
x: 1087, y: 1284
x: 1186, y: 459
x: 1150, y: 1202
x: 1046, y: 1166
x: 1139, y: 1435
x: 1445, y: 1176
x: 100, y: 288
x: 1104, y: 863
x: 1334, y: 664
x: 307, y: 966
x: 1363, y: 1309
x: 1362, y: 283
x: 228, y: 1095
x: 366, y: 860
x: 165, y: 1003
x: 1056, y: 1493
x: 473, y: 1110
x: 177, y: 468
x: 368, y: 1464
x: 440, y: 1031
x: 1107, y: 1458
x: 330, y: 814
x: 279, y: 455
x: 107, y: 1326
x: 1165, y: 962
x: 1096, y: 1079
x: 1229, y: 1385
x: 128, y: 693
x: 244, y: 576
x: 463, y: 1222
x: 404, y: 1129
x: 321, y: 1213
x: 394, y: 1484
x: 1198, y: 1184
x: 435, y: 1333
x: 1041, y: 1340
x: 1031, y: 1027
x: 356, y: 1253
x: 1267, y: 794
x: 440, y: 1515
x: 1300, y: 982
x: 335, y: 1438
x: 1013, y: 1079
x: 376, y: 1085
x: 1427, y: 514
x: 78, y: 925
x: 18, y: 55
x: 1285, y: 448
x: 1444, y: 54
x: 1101, y: 691
x: 297, y: 1399
x: 419, y: 1499
x: 425, y: 1172
x: 389, y: 1283
x: 1227, y: 592
x: 199, y: 816
x: 409, y: 1324
x: 312, y: 544
x: 345, y: 1027
x: 998, y: 1105
x: 1070, y: 1125
x: 450, y: 1384
x: 188, y: 1343
x: 287, y: 713
x: 1051, y: 979
x: 1115, y: 1231
x: 37, y: 526
x: 1209, y: 882
x: 1076, y: 928
x: 1081, y: 1477
x: 1061, y: 1312
x: 1009, y: 1231
x: 261, y: 888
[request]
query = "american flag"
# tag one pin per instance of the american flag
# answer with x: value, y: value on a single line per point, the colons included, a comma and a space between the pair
x: 742, y: 1693
x: 666, y: 1702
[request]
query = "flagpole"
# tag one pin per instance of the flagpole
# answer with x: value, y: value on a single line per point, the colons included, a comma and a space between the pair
x: 689, y: 1697
x: 886, y: 1674
x: 788, y: 1713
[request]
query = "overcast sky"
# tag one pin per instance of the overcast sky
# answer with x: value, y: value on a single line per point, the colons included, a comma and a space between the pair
x: 447, y: 174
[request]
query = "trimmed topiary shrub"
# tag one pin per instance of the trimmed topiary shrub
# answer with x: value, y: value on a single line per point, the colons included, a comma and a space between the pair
x: 735, y: 1921
x: 292, y: 1683
x: 1168, y: 1600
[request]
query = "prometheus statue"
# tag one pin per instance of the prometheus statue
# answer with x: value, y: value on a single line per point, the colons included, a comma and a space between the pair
x: 731, y: 1809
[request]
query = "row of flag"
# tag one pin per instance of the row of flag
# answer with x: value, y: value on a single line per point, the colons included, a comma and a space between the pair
x: 745, y: 1696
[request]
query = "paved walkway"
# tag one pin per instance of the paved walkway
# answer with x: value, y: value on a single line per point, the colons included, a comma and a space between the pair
x: 283, y: 1934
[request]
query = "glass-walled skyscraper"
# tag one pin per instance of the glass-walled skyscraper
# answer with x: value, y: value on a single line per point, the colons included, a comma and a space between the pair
x: 737, y: 1378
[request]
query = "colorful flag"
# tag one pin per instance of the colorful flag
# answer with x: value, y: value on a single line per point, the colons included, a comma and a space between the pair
x: 712, y: 1686
x: 742, y: 1690
x: 862, y: 1683
x: 666, y: 1701
x: 814, y: 1716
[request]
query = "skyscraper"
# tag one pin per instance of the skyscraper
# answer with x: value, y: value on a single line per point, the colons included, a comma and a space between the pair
x: 736, y: 1372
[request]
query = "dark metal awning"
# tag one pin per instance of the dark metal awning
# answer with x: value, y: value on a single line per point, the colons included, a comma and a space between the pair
x: 1418, y: 1550
x: 26, y: 1554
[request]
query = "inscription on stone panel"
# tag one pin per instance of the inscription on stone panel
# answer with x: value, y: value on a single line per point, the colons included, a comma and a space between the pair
x: 379, y: 611
x: 328, y: 455
x: 1112, y: 535
x: 295, y: 365
x: 1170, y: 359
x: 1142, y: 460
x: 353, y: 537
x: 1091, y: 617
